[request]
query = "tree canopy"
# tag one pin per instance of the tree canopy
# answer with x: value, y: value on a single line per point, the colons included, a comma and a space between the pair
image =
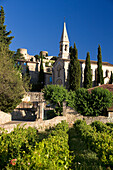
x: 100, y: 78
x: 87, y: 73
x: 74, y: 69
x: 55, y: 94
x: 11, y: 85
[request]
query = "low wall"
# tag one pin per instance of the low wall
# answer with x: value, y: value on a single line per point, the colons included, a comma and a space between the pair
x: 71, y: 118
x: 4, y: 117
x: 40, y: 125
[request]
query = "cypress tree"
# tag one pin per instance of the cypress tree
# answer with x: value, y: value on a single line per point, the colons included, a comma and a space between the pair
x: 41, y: 75
x: 26, y: 80
x: 100, y: 78
x: 74, y: 70
x: 111, y: 78
x: 87, y: 73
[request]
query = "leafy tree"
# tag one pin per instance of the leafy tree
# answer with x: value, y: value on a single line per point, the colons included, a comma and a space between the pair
x: 55, y: 94
x: 101, y: 99
x: 11, y: 85
x: 87, y: 73
x: 71, y: 99
x: 80, y: 101
x: 100, y: 78
x: 74, y: 69
x: 93, y: 104
x: 111, y: 78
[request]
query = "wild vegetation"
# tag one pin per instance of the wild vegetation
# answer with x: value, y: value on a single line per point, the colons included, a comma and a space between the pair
x: 80, y: 147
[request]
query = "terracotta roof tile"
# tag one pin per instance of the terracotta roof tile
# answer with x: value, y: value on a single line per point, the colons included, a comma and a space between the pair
x: 104, y: 86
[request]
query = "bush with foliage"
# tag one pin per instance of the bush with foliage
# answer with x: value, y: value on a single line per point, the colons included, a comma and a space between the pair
x: 101, y: 99
x: 55, y: 94
x: 93, y: 104
x: 28, y: 149
x: 98, y: 137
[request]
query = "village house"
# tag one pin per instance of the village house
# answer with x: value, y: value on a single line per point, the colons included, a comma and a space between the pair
x: 56, y: 71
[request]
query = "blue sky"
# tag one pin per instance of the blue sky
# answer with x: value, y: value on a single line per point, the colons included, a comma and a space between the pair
x: 37, y: 25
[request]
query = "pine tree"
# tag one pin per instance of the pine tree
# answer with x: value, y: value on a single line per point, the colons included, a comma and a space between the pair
x: 11, y: 85
x: 74, y: 70
x: 100, y: 78
x: 87, y: 73
x: 4, y: 35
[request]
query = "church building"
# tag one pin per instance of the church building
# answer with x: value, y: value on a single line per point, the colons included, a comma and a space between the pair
x: 56, y: 69
x: 61, y: 66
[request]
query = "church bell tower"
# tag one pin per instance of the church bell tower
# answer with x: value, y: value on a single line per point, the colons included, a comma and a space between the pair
x: 64, y: 44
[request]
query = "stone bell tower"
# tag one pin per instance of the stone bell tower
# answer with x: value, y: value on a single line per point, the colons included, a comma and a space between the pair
x: 64, y: 44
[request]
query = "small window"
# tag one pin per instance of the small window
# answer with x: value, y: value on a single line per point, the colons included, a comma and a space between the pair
x: 60, y: 47
x: 50, y: 79
x: 65, y: 47
x: 107, y: 73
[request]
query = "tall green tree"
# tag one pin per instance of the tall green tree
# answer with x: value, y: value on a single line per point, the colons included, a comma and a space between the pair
x: 11, y: 85
x: 55, y: 94
x: 4, y: 35
x: 26, y: 80
x: 87, y: 73
x: 74, y: 70
x: 41, y: 75
x: 100, y: 78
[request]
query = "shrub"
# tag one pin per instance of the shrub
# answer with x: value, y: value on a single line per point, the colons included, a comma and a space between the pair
x: 93, y: 104
x: 26, y: 149
x: 98, y: 138
x: 55, y: 94
x: 101, y: 99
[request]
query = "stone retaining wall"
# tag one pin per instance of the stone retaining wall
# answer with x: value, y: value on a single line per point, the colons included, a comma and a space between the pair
x: 4, y: 117
x: 40, y: 125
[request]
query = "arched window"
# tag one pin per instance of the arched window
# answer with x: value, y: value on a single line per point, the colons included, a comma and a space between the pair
x: 107, y: 71
x: 60, y: 47
x: 58, y: 69
x: 65, y: 47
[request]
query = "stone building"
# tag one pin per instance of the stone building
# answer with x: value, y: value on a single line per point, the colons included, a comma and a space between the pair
x: 56, y: 71
x: 61, y: 66
x: 34, y: 65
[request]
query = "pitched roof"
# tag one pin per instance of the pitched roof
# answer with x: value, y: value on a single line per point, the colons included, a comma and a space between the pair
x: 95, y: 62
x: 104, y: 86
